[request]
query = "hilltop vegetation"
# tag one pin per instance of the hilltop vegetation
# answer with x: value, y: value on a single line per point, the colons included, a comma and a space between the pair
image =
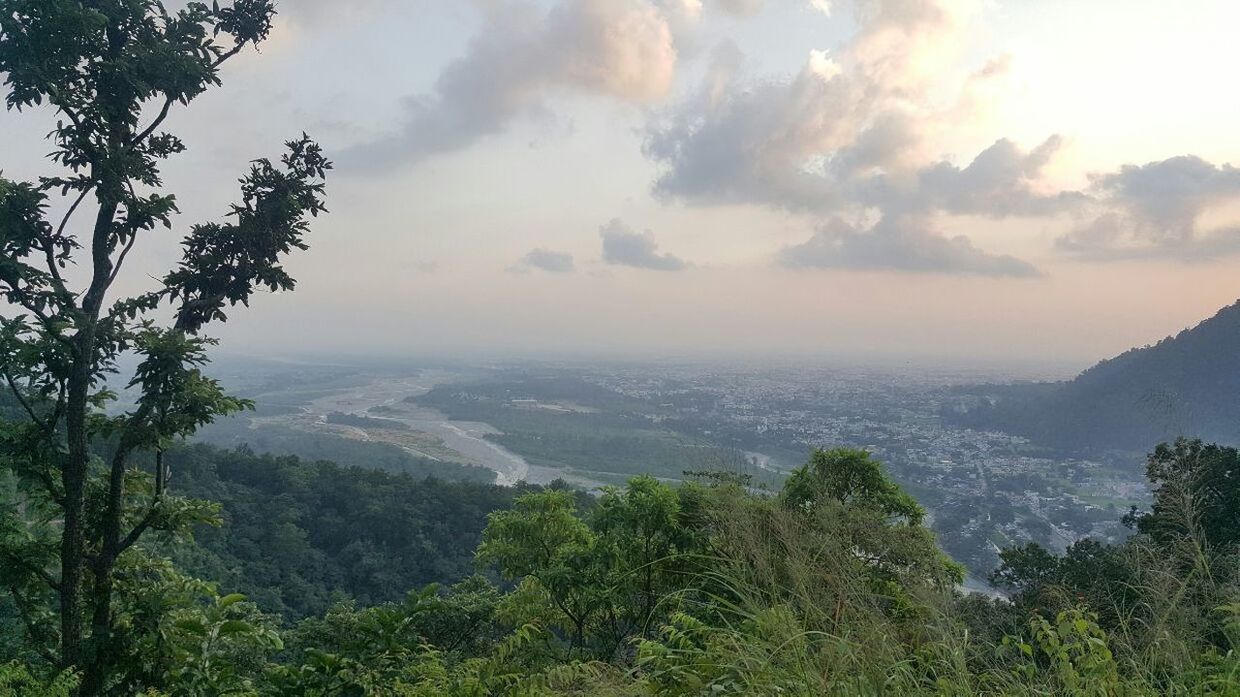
x: 832, y: 586
x: 1185, y: 385
x: 296, y: 536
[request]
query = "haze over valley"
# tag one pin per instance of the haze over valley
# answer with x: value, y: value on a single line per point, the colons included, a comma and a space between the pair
x: 595, y: 422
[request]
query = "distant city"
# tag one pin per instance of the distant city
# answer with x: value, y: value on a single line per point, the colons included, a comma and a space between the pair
x: 594, y: 424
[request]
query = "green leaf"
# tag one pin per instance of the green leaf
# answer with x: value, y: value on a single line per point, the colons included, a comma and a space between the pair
x: 231, y: 599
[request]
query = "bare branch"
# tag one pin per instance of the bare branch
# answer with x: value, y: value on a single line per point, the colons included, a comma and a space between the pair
x: 52, y: 267
x: 225, y: 56
x: 134, y: 535
x: 64, y: 222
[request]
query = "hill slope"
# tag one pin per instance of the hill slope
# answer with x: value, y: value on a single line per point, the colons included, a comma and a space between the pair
x: 1188, y: 384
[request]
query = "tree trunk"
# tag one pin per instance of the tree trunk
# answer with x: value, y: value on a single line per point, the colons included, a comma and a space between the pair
x: 102, y: 657
x: 74, y: 474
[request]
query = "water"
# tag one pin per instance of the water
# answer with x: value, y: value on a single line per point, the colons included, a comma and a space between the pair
x: 465, y: 437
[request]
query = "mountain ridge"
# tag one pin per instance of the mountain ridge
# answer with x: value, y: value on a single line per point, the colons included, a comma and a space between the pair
x: 1186, y: 384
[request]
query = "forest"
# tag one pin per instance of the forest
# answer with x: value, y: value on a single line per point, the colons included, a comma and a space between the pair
x: 316, y: 579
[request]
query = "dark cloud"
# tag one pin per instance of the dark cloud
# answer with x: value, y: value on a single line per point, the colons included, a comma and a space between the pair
x: 619, y: 48
x: 546, y: 260
x: 1155, y: 210
x: 623, y: 246
x: 899, y: 244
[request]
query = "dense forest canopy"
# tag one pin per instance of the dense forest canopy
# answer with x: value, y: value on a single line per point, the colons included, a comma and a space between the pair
x: 297, y: 536
x: 711, y: 587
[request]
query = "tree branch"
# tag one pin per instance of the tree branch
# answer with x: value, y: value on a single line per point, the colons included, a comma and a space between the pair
x: 134, y: 535
x: 32, y: 629
x: 149, y: 517
x: 25, y: 404
x: 46, y: 321
x: 163, y: 114
x: 64, y: 221
x: 120, y: 260
x: 41, y: 573
x: 50, y: 485
x: 223, y: 57
x: 169, y: 101
x: 52, y: 267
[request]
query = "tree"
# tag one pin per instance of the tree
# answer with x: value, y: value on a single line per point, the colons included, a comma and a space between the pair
x: 843, y: 495
x: 1026, y: 568
x: 1196, y: 489
x: 642, y: 543
x: 113, y: 70
x: 542, y: 540
x: 853, y: 478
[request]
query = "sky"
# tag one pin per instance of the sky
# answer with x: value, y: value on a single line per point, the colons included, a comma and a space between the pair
x: 1043, y: 180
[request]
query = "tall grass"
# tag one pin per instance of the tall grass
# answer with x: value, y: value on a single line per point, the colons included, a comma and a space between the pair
x: 789, y: 605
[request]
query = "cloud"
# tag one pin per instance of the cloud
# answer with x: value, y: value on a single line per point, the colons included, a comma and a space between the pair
x: 1155, y: 210
x: 545, y: 260
x: 623, y: 246
x: 899, y: 244
x: 748, y: 8
x: 999, y: 183
x: 623, y: 49
x: 793, y: 143
x: 736, y: 144
x: 850, y: 135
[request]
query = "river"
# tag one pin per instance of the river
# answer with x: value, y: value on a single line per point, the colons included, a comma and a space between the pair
x: 468, y: 438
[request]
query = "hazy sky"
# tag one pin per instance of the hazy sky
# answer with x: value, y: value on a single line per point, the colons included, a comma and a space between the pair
x: 1013, y: 178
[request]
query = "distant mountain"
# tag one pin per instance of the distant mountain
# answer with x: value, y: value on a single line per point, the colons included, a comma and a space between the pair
x: 1188, y: 384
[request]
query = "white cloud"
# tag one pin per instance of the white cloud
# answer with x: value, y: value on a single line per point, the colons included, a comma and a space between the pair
x: 899, y: 243
x: 622, y: 49
x: 853, y: 132
x: 1155, y: 210
x: 741, y: 8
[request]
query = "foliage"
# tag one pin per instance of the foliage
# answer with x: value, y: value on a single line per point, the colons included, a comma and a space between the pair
x: 1194, y: 484
x: 298, y: 536
x: 853, y: 478
x: 112, y: 71
x: 709, y: 588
